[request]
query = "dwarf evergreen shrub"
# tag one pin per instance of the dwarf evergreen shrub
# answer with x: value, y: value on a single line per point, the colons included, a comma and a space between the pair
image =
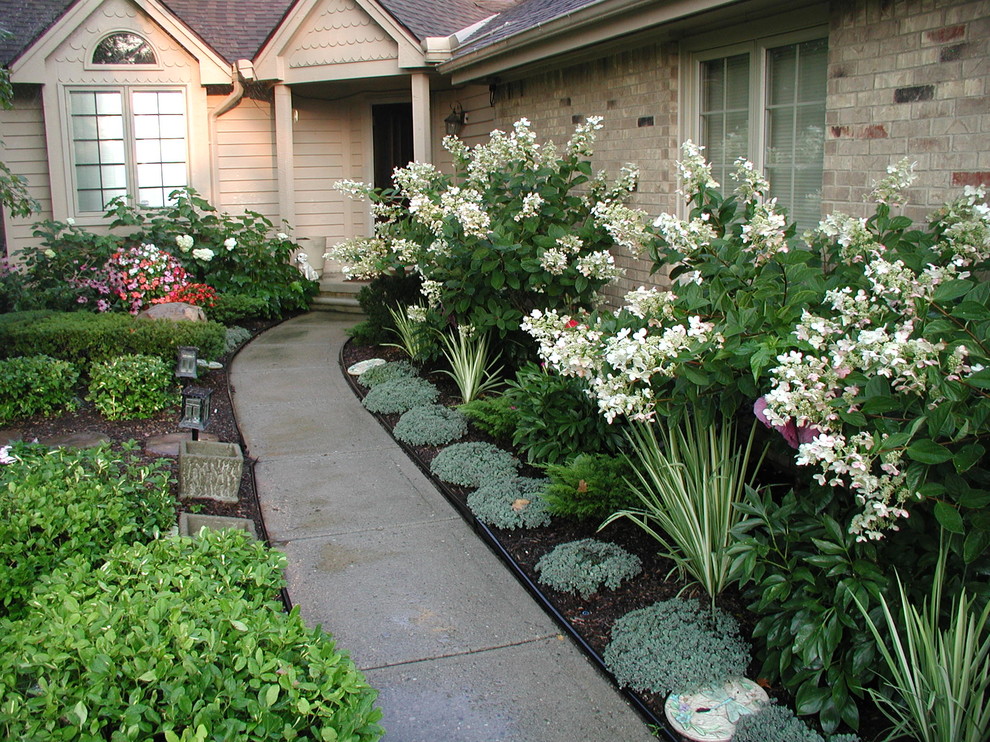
x: 510, y: 503
x: 676, y: 645
x: 400, y: 395
x: 474, y: 463
x: 386, y: 372
x: 430, y: 425
x: 586, y: 565
x: 179, y: 639
x: 35, y: 385
x: 590, y: 486
x: 493, y: 415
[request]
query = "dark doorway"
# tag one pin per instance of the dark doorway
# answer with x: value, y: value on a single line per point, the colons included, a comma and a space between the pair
x: 393, y: 140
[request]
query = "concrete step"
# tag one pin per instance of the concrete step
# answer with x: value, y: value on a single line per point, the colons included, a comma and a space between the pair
x: 338, y: 295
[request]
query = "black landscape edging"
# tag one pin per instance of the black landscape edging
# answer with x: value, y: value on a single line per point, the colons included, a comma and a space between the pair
x: 493, y: 543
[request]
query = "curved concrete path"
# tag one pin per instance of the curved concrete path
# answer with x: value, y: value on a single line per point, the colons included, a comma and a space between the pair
x: 378, y: 557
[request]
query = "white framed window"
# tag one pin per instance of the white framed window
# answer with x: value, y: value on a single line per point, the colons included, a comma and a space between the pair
x: 127, y: 141
x: 764, y: 99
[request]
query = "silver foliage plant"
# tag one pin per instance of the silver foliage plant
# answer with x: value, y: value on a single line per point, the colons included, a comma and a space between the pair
x: 586, y: 566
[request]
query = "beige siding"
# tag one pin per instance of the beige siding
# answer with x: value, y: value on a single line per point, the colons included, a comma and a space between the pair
x: 244, y: 158
x: 25, y: 153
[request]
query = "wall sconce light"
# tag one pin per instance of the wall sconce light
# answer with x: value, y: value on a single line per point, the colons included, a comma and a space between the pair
x: 187, y: 363
x: 454, y: 123
x: 195, y: 409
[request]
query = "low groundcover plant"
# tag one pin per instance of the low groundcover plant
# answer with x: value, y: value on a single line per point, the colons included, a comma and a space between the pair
x: 586, y: 566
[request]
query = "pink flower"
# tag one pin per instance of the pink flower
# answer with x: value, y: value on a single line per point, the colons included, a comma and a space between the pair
x: 793, y: 433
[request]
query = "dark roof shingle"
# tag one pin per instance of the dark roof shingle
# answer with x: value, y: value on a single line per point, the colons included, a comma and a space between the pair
x: 522, y: 17
x: 425, y: 18
x: 26, y: 21
x: 236, y: 29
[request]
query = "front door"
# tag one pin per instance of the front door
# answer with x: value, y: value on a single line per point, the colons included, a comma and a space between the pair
x: 393, y: 140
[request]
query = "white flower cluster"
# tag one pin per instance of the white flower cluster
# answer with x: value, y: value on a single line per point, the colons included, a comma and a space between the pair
x: 685, y: 237
x: 361, y: 258
x: 753, y: 186
x: 203, y: 253
x: 354, y: 189
x: 502, y: 152
x: 416, y: 313
x: 967, y: 227
x: 763, y: 233
x: 554, y: 261
x: 619, y: 368
x: 530, y: 206
x: 582, y: 143
x: 230, y: 243
x: 694, y: 171
x: 598, y: 265
x: 890, y: 190
x: 650, y: 303
x: 433, y: 291
x: 184, y: 242
x: 854, y: 239
x: 625, y: 225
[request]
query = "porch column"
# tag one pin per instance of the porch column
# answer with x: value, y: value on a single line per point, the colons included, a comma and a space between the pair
x: 284, y: 155
x: 422, y: 133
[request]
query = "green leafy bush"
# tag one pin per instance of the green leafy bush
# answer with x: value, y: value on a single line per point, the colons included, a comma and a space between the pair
x: 676, y: 645
x: 179, y: 640
x: 519, y: 225
x: 430, y: 425
x: 510, y: 503
x: 84, y: 337
x: 35, y: 385
x: 590, y: 486
x: 555, y: 419
x: 235, y: 338
x: 399, y: 395
x: 778, y: 723
x: 229, y: 308
x: 67, y: 268
x: 493, y: 415
x: 132, y: 386
x: 800, y: 570
x: 384, y: 291
x: 474, y: 463
x: 13, y: 286
x: 386, y: 372
x: 67, y: 502
x: 234, y: 253
x: 585, y: 566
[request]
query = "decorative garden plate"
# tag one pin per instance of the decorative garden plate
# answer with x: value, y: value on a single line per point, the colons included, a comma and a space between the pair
x: 361, y: 366
x: 710, y: 715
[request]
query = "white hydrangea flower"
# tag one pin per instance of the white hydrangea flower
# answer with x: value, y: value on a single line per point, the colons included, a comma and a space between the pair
x: 230, y: 243
x: 203, y: 253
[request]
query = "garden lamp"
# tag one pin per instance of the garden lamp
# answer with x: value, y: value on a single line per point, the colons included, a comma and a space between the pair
x: 454, y: 123
x: 187, y: 363
x: 195, y: 409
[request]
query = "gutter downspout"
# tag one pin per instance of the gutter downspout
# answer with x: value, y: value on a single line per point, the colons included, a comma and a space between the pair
x: 232, y: 99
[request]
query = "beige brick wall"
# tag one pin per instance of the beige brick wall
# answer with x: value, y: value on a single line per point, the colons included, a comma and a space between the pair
x: 907, y: 78
x: 636, y: 93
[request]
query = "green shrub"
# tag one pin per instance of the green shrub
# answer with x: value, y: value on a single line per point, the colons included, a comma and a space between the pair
x: 84, y: 337
x: 376, y: 298
x: 179, y: 639
x: 586, y: 565
x: 399, y: 395
x: 590, y: 486
x: 510, y: 503
x: 68, y: 502
x: 133, y: 386
x: 472, y: 464
x: 676, y: 645
x: 493, y: 415
x: 775, y: 723
x: 35, y: 385
x: 555, y: 419
x: 13, y: 286
x: 231, y: 308
x: 386, y: 372
x: 67, y: 268
x: 430, y: 425
x: 235, y: 338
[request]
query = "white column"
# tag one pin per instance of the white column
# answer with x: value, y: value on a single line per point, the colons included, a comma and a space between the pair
x: 422, y: 132
x: 284, y: 155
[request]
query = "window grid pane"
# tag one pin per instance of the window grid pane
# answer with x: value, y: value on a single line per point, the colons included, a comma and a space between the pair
x: 98, y: 143
x: 725, y: 112
x: 795, y: 128
x: 160, y: 145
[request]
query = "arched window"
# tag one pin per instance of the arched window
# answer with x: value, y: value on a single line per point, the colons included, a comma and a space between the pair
x: 123, y: 48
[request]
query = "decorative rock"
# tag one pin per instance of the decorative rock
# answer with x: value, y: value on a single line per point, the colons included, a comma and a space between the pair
x: 190, y: 524
x: 168, y: 444
x: 361, y: 366
x: 79, y: 439
x: 210, y: 470
x: 710, y: 715
x: 209, y: 365
x: 176, y: 311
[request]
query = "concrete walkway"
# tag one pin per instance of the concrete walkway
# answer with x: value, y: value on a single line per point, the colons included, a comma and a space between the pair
x: 378, y: 557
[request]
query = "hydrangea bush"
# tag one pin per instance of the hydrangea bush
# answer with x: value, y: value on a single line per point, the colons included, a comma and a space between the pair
x: 520, y: 225
x: 868, y: 347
